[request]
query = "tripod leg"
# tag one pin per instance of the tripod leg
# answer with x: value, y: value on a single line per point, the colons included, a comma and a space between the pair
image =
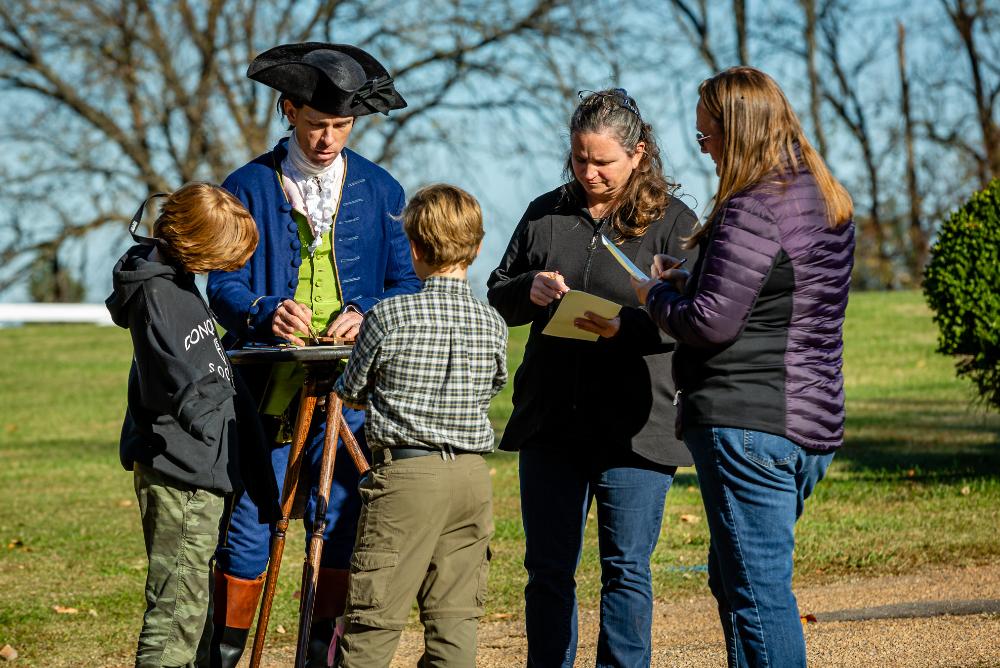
x: 310, y: 571
x: 307, y: 404
x: 353, y: 449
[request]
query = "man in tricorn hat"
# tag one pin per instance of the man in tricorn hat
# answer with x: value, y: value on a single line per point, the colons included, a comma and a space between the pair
x: 331, y: 246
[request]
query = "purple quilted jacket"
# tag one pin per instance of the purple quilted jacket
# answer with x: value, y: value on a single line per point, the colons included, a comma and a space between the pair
x: 760, y: 324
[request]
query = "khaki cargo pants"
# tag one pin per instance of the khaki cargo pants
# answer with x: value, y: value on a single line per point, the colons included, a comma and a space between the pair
x: 423, y: 535
x: 180, y: 524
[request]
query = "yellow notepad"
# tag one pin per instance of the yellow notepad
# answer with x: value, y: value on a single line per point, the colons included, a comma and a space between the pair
x: 573, y: 305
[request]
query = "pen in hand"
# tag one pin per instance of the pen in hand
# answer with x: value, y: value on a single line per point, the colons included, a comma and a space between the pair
x: 676, y: 265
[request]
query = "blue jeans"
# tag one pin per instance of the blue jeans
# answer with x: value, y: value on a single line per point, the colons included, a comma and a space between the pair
x: 754, y: 485
x: 245, y: 546
x: 557, y: 489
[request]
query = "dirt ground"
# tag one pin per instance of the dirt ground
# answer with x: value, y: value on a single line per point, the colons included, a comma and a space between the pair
x: 887, y: 622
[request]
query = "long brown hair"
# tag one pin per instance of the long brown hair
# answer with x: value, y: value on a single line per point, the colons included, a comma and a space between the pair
x: 763, y: 142
x: 647, y: 193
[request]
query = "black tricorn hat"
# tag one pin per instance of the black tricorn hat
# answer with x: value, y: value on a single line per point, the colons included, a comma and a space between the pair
x: 337, y: 79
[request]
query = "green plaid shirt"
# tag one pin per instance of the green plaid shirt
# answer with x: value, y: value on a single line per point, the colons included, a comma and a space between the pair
x: 426, y: 365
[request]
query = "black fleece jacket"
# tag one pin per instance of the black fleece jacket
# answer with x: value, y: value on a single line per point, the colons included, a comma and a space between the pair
x: 181, y: 415
x: 614, y: 393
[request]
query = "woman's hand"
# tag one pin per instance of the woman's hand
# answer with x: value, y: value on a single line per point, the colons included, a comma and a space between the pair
x: 547, y: 287
x: 591, y: 322
x: 642, y: 288
x: 291, y: 317
x: 667, y: 268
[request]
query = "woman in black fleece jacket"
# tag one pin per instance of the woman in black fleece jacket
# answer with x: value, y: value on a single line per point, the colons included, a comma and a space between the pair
x: 593, y: 420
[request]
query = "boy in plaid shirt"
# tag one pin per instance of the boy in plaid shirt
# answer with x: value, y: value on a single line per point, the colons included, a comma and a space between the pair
x: 425, y: 366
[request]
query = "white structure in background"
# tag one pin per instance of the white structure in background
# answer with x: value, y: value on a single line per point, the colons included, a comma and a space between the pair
x: 11, y: 314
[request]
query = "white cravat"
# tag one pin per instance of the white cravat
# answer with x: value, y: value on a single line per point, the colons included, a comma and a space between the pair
x: 313, y: 190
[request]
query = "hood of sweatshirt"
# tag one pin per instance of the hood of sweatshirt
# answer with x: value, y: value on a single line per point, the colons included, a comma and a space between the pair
x: 130, y: 272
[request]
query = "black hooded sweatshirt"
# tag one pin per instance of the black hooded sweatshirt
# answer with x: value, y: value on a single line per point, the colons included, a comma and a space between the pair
x: 181, y: 419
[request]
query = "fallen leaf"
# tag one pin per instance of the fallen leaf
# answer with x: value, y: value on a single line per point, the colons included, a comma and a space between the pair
x: 493, y: 471
x: 966, y: 490
x: 690, y: 519
x: 125, y: 503
x: 8, y: 653
x: 808, y: 619
x: 63, y: 610
x: 14, y: 544
x: 690, y: 488
x: 910, y: 473
x: 92, y: 612
x: 297, y: 594
x: 280, y: 629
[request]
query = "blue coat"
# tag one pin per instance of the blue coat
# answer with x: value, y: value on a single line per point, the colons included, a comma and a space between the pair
x: 371, y: 252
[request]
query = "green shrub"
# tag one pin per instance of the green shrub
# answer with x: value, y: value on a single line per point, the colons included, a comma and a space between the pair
x: 962, y: 286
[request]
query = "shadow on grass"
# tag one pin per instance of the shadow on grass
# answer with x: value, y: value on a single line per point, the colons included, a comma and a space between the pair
x: 898, y: 457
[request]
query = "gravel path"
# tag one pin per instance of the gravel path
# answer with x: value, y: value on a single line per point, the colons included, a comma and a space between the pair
x: 686, y: 632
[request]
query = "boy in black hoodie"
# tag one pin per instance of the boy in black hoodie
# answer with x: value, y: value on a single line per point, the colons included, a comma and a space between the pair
x: 179, y: 432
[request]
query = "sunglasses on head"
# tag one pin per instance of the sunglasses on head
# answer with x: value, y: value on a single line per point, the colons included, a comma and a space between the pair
x: 619, y: 95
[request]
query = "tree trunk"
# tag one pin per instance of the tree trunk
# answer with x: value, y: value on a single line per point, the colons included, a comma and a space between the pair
x: 918, y: 237
x: 815, y: 94
x: 740, y: 17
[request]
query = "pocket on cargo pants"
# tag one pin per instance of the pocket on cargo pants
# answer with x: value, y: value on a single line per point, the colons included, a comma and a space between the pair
x: 371, y: 574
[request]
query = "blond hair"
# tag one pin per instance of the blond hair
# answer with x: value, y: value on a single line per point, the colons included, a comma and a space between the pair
x: 763, y: 142
x: 647, y: 193
x: 445, y: 223
x: 204, y: 228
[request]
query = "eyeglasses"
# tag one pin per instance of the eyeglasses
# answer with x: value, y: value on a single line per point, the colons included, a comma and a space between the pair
x: 701, y: 139
x: 619, y: 95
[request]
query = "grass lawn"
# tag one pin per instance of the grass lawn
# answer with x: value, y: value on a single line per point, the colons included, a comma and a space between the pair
x: 917, y: 484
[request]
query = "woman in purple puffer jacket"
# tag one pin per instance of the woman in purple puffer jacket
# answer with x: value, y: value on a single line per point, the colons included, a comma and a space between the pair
x: 759, y: 323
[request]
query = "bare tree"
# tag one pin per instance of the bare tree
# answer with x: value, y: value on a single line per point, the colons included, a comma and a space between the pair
x: 919, y: 242
x: 740, y: 26
x: 809, y: 55
x: 842, y: 94
x: 967, y: 17
x: 694, y: 21
x: 118, y: 98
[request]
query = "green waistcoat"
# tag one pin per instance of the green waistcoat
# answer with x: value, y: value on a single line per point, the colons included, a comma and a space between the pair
x: 317, y: 289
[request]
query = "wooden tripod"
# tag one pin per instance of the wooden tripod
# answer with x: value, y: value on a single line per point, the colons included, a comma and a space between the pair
x: 318, y: 381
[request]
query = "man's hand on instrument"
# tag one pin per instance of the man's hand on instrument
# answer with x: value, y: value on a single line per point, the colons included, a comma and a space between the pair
x: 547, y: 287
x: 346, y: 325
x: 291, y: 317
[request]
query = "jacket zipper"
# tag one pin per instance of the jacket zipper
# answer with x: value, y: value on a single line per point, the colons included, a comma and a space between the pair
x: 586, y: 285
x: 590, y: 254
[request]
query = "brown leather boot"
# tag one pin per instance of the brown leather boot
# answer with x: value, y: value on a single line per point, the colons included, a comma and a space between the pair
x: 331, y: 600
x: 235, y: 605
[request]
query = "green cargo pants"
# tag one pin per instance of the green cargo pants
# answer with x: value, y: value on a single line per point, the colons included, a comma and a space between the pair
x: 180, y: 524
x: 423, y: 535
